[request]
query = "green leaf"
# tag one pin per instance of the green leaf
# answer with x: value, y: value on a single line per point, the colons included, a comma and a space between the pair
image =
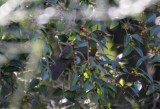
x: 57, y: 92
x: 86, y: 106
x: 155, y: 30
x: 150, y: 18
x: 109, y: 77
x: 146, y: 76
x: 70, y: 53
x: 53, y: 1
x: 129, y: 84
x: 126, y: 40
x: 35, y: 103
x: 135, y: 91
x: 43, y: 90
x: 94, y: 97
x: 95, y: 22
x: 100, y: 68
x: 81, y: 54
x: 78, y: 59
x: 70, y: 95
x: 100, y: 43
x: 127, y: 51
x: 75, y: 87
x: 155, y: 59
x: 34, y: 83
x: 137, y: 37
x: 75, y: 106
x: 73, y: 35
x: 139, y: 62
x: 5, y: 103
x: 45, y: 76
x: 88, y: 86
x: 152, y: 88
x: 112, y: 87
x: 74, y: 79
x: 139, y: 51
x: 114, y: 24
x: 4, y: 90
x: 81, y: 45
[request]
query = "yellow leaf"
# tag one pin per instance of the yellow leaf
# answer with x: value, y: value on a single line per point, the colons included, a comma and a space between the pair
x: 3, y: 36
x: 121, y: 81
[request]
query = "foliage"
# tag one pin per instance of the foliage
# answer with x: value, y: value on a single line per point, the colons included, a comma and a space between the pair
x: 94, y: 82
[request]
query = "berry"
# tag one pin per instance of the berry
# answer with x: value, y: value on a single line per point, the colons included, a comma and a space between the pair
x: 46, y: 3
x: 122, y: 66
x: 75, y: 53
x: 72, y: 44
x: 2, y: 74
x: 86, y: 62
x: 72, y: 57
x: 132, y: 72
x: 28, y: 98
x: 89, y: 38
x: 142, y: 29
x: 82, y: 26
x: 97, y: 56
x: 135, y: 76
x: 91, y: 69
x: 75, y: 25
x: 83, y: 30
x: 9, y: 25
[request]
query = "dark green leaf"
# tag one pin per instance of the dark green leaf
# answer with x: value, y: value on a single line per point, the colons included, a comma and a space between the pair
x: 88, y: 86
x: 126, y: 40
x: 135, y: 91
x: 57, y: 92
x: 53, y: 1
x: 111, y: 87
x: 75, y: 106
x: 95, y: 23
x: 34, y: 102
x: 150, y: 18
x: 109, y: 77
x: 114, y: 24
x: 43, y: 90
x: 155, y: 59
x: 155, y: 30
x: 70, y: 95
x: 34, y: 83
x: 74, y: 79
x: 137, y: 37
x: 139, y: 51
x: 94, y: 97
x: 127, y: 51
x: 152, y: 88
x: 78, y: 59
x: 5, y: 103
x: 81, y: 45
x: 139, y: 62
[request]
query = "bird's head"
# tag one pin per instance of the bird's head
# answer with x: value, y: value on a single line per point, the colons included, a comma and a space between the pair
x: 100, y: 34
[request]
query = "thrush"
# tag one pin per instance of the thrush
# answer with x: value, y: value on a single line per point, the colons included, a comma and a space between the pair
x: 66, y: 58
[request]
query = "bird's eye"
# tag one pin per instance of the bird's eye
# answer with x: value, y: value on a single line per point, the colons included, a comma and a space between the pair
x: 100, y: 33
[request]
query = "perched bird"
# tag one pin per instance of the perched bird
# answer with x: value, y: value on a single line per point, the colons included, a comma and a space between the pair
x: 63, y: 61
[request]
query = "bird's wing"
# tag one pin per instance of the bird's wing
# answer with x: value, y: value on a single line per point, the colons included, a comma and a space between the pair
x: 67, y: 52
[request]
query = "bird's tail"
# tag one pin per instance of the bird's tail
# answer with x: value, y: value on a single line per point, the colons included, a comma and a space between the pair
x: 58, y: 67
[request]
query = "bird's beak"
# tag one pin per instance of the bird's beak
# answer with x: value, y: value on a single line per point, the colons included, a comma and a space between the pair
x: 107, y: 35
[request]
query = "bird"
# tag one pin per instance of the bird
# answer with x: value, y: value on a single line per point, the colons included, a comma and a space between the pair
x: 64, y: 61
